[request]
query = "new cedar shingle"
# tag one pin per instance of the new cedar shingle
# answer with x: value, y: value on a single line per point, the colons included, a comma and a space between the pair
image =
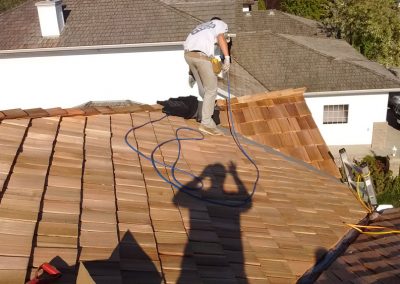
x: 277, y: 126
x: 14, y: 113
x: 125, y: 194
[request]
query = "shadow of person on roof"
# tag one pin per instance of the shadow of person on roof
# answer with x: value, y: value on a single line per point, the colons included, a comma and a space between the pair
x: 128, y: 263
x: 215, y: 248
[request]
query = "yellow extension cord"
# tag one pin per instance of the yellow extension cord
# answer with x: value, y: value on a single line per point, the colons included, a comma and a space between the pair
x: 359, y: 228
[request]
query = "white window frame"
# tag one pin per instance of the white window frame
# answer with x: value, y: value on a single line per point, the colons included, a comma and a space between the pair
x: 335, y: 114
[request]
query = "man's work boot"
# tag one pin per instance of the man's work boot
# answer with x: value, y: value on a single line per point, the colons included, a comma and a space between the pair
x: 209, y: 130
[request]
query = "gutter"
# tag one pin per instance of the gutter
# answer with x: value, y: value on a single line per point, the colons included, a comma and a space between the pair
x: 90, y: 47
x: 349, y: 92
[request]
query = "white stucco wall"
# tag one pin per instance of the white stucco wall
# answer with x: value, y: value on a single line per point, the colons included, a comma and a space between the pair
x: 70, y: 78
x: 364, y: 110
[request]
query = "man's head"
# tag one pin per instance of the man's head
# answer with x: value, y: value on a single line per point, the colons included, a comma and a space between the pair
x: 215, y: 18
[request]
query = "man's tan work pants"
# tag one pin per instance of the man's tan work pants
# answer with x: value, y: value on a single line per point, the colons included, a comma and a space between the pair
x: 207, y: 82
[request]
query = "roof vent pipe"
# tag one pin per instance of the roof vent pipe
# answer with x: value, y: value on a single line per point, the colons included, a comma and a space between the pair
x: 51, y: 17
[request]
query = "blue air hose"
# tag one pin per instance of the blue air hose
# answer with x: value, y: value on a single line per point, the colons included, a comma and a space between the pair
x: 176, y: 183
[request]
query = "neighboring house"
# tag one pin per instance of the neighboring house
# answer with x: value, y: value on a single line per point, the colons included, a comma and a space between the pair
x: 107, y: 50
x: 345, y: 92
x: 117, y: 50
x: 72, y: 191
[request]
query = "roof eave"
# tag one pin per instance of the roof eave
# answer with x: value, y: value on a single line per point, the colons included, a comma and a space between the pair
x: 91, y: 47
x: 349, y: 92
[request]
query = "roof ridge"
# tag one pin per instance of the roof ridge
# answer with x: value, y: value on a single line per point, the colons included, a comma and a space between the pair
x: 74, y: 111
x: 343, y: 60
x: 303, y: 20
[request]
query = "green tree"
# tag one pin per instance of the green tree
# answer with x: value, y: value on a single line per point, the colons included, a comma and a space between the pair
x: 311, y: 9
x: 371, y: 26
x: 8, y: 4
x: 262, y: 5
x: 386, y: 186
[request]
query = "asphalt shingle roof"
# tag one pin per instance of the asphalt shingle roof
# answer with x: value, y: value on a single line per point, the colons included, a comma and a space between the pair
x: 279, y: 50
x: 97, y: 23
x: 370, y: 258
x: 277, y: 22
x: 278, y: 61
x: 205, y: 10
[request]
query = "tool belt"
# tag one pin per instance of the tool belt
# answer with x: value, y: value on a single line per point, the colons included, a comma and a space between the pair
x: 216, y: 64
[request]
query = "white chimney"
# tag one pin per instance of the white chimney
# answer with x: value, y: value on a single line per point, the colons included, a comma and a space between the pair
x: 51, y: 17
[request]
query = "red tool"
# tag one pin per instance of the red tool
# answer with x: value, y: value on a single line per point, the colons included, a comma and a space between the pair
x: 46, y: 273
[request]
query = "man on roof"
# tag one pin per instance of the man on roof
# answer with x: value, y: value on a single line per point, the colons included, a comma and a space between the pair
x: 199, y: 50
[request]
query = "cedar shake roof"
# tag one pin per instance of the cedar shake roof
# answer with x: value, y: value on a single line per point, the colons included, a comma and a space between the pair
x: 281, y: 120
x: 370, y: 258
x: 72, y: 191
x: 279, y: 61
x: 84, y: 110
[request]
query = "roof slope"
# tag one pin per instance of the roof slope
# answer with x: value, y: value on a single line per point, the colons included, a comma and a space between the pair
x: 99, y: 22
x: 370, y: 258
x: 282, y: 120
x: 281, y: 61
x: 277, y: 22
x: 72, y: 190
x: 277, y: 49
x: 241, y: 83
x: 204, y: 10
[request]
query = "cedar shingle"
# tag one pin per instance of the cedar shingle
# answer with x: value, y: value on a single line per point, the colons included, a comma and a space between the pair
x: 101, y: 197
x: 14, y: 113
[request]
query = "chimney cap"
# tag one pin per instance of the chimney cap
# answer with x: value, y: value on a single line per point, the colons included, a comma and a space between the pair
x: 48, y: 3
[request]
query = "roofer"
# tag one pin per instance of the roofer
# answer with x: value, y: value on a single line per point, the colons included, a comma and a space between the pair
x: 199, y: 50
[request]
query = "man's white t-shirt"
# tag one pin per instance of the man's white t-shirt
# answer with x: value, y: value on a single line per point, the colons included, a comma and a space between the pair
x: 204, y: 36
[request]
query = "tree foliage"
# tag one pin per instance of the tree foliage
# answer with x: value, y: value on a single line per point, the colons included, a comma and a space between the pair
x: 8, y: 4
x: 311, y: 9
x: 262, y: 5
x: 371, y: 26
x: 387, y: 186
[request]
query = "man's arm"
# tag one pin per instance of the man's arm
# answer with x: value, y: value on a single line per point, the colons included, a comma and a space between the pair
x: 225, y: 51
x: 223, y: 44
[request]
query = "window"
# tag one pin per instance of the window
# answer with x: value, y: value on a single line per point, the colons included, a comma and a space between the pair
x: 335, y: 114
